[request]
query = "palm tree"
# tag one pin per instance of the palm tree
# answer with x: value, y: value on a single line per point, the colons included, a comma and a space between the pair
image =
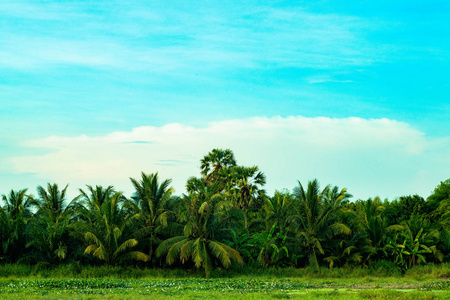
x: 199, y: 243
x: 154, y: 206
x: 14, y: 216
x: 49, y: 236
x: 105, y: 228
x: 95, y: 197
x: 245, y: 185
x: 376, y: 226
x: 52, y: 199
x: 315, y: 217
x: 50, y: 226
x: 215, y: 161
x: 353, y: 249
x: 279, y: 210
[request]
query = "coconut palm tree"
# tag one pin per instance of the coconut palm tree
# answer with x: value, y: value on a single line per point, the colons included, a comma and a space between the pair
x: 155, y: 210
x: 315, y: 217
x: 50, y: 226
x: 279, y: 210
x: 376, y: 226
x: 95, y: 197
x: 52, y: 200
x: 49, y: 236
x: 353, y: 249
x: 199, y: 243
x: 106, y: 229
x: 14, y: 217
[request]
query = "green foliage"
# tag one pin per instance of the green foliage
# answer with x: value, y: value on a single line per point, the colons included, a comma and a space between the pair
x: 215, y: 161
x: 440, y: 193
x: 279, y: 210
x: 14, y: 218
x: 405, y: 207
x: 316, y: 217
x: 272, y: 247
x: 225, y: 220
x: 154, y: 209
x: 50, y: 225
x: 104, y: 228
x: 199, y: 244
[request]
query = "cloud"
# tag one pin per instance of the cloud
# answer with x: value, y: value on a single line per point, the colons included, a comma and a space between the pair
x: 173, y: 38
x: 44, y: 11
x: 139, y: 142
x: 368, y: 156
x: 326, y: 78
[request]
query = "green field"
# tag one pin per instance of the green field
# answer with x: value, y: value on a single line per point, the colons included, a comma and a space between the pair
x: 118, y: 283
x: 284, y: 288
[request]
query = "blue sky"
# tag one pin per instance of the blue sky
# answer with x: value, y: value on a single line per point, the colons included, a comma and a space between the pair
x: 95, y: 68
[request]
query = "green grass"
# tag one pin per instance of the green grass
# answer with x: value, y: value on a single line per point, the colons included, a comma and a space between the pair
x: 226, y: 288
x: 76, y: 270
x: 88, y: 282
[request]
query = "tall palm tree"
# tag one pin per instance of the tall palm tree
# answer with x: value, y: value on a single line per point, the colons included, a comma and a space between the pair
x: 106, y: 229
x: 14, y: 216
x: 215, y: 161
x: 353, y: 249
x: 376, y: 226
x: 245, y: 185
x: 50, y: 226
x: 95, y: 197
x: 155, y: 208
x: 279, y: 210
x: 315, y: 218
x: 49, y: 234
x: 199, y: 241
x: 52, y: 200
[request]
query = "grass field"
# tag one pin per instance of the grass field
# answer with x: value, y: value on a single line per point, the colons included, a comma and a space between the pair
x: 22, y: 282
x: 246, y: 288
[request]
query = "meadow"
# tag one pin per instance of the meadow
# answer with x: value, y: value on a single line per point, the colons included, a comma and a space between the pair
x: 71, y: 281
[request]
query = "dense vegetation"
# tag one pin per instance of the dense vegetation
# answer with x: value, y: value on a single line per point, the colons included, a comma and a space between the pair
x: 225, y: 219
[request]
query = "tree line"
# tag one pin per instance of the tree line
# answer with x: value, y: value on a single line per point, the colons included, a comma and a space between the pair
x: 225, y: 218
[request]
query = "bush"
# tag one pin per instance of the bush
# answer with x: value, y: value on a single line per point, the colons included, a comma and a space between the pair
x: 384, y: 268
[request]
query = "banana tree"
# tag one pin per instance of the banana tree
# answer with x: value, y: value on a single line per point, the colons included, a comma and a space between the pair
x: 398, y: 252
x: 416, y: 249
x: 271, y: 247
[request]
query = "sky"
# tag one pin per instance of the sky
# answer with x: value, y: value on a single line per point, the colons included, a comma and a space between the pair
x: 354, y: 93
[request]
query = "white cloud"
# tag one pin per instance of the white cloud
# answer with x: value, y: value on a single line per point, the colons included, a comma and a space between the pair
x: 370, y: 157
x: 172, y: 38
x: 326, y: 78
